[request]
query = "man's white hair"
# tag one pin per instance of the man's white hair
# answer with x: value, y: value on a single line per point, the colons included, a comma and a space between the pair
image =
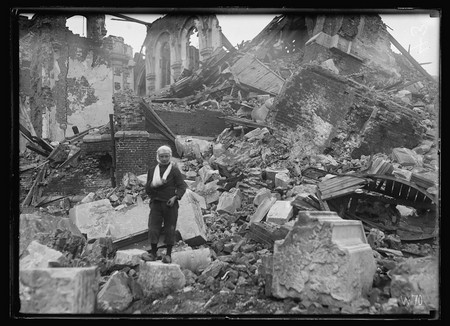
x: 164, y: 149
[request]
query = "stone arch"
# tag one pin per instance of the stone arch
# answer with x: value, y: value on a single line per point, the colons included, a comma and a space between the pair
x: 191, y: 23
x: 162, y: 62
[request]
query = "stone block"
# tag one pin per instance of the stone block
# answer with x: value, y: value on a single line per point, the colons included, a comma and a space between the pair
x: 39, y: 256
x: 194, y: 260
x: 262, y: 210
x: 201, y: 200
x: 280, y: 212
x: 282, y: 180
x: 159, y: 278
x: 130, y: 257
x: 261, y: 195
x: 58, y: 290
x: 115, y: 294
x: 323, y: 259
x: 190, y: 222
x: 207, y: 174
x: 229, y: 202
x: 270, y: 173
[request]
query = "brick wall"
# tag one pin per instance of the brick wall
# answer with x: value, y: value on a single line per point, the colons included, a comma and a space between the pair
x: 96, y: 143
x: 127, y: 111
x: 310, y: 93
x: 136, y: 151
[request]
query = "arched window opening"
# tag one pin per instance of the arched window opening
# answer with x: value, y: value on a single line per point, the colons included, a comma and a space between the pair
x: 193, y: 49
x: 77, y: 25
x: 165, y: 64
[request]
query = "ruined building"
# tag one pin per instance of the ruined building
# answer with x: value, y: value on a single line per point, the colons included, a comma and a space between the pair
x: 66, y: 80
x: 169, y: 51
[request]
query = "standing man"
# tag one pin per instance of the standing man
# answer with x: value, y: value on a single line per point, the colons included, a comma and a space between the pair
x: 165, y: 187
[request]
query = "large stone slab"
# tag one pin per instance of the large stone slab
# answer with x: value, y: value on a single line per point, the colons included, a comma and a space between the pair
x: 280, y: 212
x: 39, y: 256
x: 323, y: 259
x: 190, y: 222
x: 115, y: 294
x: 99, y: 219
x: 159, y: 278
x: 92, y: 218
x: 132, y: 219
x: 58, y: 290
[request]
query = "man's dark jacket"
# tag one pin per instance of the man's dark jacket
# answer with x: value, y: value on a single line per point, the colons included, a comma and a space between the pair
x: 175, y: 185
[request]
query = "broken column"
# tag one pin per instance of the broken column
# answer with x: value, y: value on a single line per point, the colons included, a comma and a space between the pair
x: 323, y: 259
x: 58, y: 290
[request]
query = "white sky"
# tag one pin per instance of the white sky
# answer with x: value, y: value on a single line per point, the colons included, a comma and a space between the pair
x: 419, y: 32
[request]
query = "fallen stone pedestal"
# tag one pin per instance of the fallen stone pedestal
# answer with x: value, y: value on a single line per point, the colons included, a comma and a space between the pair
x: 323, y: 259
x: 58, y: 290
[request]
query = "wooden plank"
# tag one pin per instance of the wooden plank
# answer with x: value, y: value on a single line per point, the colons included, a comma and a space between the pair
x: 336, y: 180
x: 348, y: 183
x: 340, y: 193
x: 406, y: 192
x: 323, y: 204
x: 397, y: 188
x: 153, y: 113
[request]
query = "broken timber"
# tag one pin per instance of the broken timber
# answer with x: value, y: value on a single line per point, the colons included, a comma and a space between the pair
x: 245, y: 122
x: 267, y: 233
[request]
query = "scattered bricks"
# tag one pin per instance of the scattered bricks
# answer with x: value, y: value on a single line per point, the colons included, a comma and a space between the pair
x: 323, y: 259
x: 160, y: 278
x: 39, y: 256
x: 58, y: 290
x: 280, y: 212
x: 129, y: 257
x: 115, y: 295
x: 267, y: 233
x: 213, y: 270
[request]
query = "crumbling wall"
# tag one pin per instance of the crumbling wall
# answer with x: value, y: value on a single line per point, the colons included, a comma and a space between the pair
x: 313, y: 99
x: 359, y: 46
x: 340, y: 119
x: 70, y: 77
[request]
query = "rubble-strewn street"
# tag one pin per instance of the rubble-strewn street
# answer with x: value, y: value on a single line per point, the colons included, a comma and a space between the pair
x: 312, y: 158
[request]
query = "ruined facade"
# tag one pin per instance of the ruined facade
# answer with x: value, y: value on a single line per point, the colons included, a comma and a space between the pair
x: 168, y: 48
x: 66, y: 80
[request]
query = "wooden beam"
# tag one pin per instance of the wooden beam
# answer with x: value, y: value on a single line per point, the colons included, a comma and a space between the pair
x: 410, y: 58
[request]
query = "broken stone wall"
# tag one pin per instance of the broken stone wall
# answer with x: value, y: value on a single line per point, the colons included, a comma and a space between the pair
x: 358, y: 44
x: 69, y: 78
x: 339, y: 119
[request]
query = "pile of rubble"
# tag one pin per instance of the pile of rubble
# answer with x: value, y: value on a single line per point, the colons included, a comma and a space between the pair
x: 311, y: 195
